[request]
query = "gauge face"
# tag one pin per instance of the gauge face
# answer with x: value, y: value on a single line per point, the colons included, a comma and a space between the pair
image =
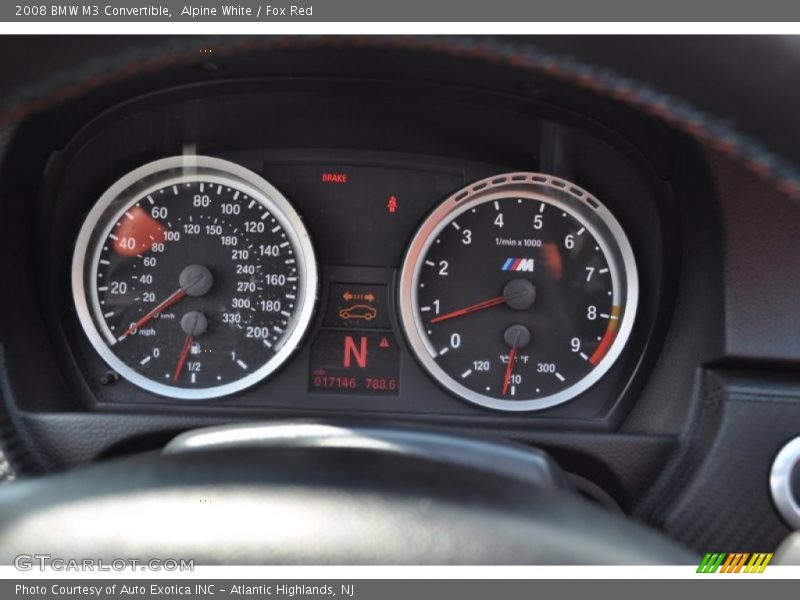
x: 193, y: 277
x: 519, y: 292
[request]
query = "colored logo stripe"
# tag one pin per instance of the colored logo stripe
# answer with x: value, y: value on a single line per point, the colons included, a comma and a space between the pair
x: 734, y: 562
x: 710, y: 563
x: 758, y: 563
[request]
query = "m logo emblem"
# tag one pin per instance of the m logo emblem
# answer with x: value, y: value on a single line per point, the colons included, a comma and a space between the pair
x: 518, y: 265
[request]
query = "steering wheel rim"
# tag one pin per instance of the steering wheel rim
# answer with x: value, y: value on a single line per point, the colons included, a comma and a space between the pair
x: 337, y: 495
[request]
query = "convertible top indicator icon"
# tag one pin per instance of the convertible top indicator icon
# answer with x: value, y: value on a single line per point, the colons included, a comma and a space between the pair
x: 363, y: 312
x: 357, y: 306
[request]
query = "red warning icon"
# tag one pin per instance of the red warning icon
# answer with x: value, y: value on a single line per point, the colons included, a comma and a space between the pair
x: 384, y: 343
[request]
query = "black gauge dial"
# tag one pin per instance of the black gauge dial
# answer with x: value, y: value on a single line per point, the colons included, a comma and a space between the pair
x: 519, y: 293
x: 194, y: 283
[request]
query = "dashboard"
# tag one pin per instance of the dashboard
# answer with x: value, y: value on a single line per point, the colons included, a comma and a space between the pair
x: 385, y: 236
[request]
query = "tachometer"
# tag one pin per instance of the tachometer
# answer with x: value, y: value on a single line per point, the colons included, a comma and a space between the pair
x: 193, y: 277
x: 519, y: 292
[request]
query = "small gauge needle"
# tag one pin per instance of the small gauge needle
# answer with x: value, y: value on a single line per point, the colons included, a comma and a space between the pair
x: 512, y: 358
x: 187, y: 345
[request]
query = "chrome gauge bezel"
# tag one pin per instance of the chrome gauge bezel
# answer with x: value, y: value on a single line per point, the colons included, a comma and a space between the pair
x: 156, y: 175
x: 538, y: 187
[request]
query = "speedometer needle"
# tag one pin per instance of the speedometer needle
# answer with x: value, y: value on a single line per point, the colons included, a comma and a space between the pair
x: 187, y: 345
x: 169, y: 301
x: 199, y: 283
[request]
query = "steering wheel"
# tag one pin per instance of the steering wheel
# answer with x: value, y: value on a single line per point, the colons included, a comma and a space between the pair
x: 310, y: 493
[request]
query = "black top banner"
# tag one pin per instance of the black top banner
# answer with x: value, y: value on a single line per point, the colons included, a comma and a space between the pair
x: 450, y: 11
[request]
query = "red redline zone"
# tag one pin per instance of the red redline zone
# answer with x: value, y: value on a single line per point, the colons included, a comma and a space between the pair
x: 608, y: 338
x: 136, y: 233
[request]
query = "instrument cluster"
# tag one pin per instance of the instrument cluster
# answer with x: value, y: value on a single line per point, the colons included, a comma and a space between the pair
x: 194, y: 278
x: 223, y: 274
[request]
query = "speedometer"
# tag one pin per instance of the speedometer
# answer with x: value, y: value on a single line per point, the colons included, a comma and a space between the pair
x: 193, y: 277
x: 519, y: 292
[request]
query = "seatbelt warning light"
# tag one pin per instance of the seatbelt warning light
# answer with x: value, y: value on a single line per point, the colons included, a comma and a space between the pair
x: 391, y: 206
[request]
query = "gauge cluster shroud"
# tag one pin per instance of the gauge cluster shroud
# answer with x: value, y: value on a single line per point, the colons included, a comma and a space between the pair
x: 363, y: 176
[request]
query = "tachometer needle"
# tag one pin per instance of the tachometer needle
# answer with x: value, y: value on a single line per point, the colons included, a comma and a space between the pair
x: 187, y: 345
x: 470, y: 309
x: 517, y: 294
x: 169, y: 301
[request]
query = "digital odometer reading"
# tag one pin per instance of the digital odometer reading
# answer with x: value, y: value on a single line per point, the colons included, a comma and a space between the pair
x: 355, y: 362
x: 517, y: 294
x: 196, y: 284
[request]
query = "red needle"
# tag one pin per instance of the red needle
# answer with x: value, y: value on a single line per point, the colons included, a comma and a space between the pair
x: 169, y: 301
x: 512, y: 356
x: 470, y: 309
x: 187, y: 345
